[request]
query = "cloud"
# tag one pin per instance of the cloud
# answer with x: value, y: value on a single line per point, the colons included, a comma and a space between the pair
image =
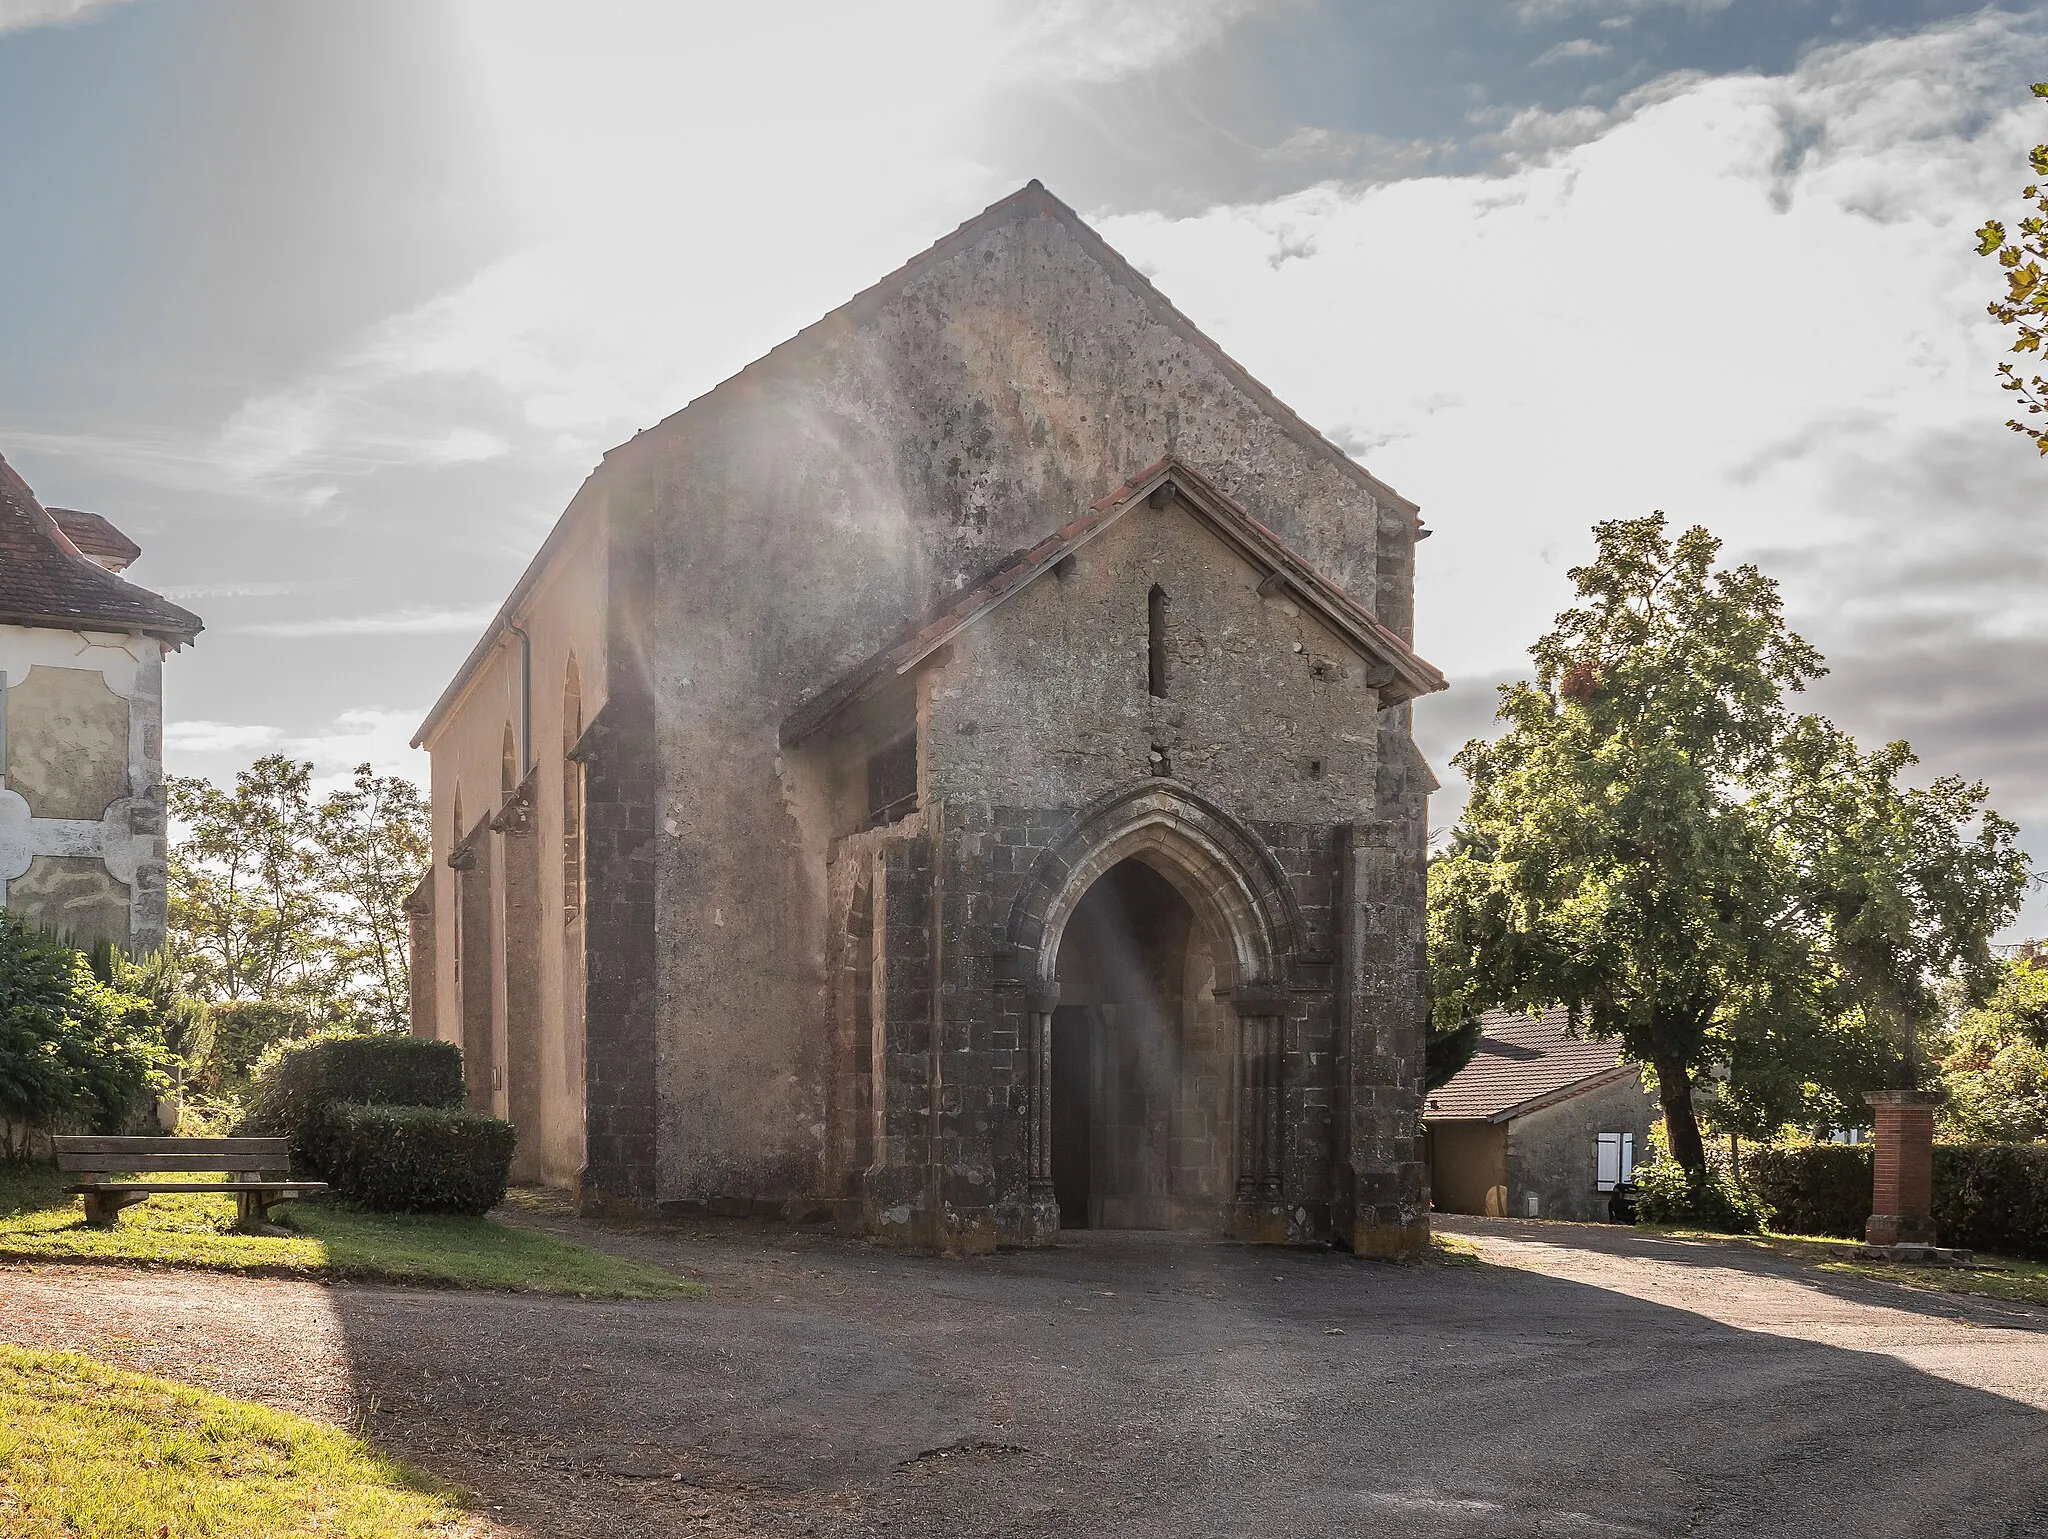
x: 189, y: 592
x: 18, y: 15
x: 402, y: 622
x: 1098, y: 41
x: 1573, y: 48
x: 195, y: 737
x: 1543, y: 12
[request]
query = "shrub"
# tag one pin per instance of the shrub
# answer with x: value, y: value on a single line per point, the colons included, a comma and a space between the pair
x: 72, y: 1050
x: 1666, y: 1195
x: 1812, y: 1188
x: 1993, y: 1197
x: 417, y: 1159
x: 296, y: 1080
x: 244, y: 1030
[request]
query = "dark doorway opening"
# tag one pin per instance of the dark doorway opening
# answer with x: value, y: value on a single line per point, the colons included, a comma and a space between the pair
x: 1074, y: 1035
x: 1141, y: 1065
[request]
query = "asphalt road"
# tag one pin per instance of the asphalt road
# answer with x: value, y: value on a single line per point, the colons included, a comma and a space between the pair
x: 1589, y: 1382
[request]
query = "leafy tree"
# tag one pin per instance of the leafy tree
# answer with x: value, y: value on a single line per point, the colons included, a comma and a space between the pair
x: 71, y: 1048
x: 1612, y: 863
x: 371, y: 841
x: 1659, y: 844
x: 244, y: 907
x: 1994, y: 1060
x: 275, y: 898
x: 2025, y: 305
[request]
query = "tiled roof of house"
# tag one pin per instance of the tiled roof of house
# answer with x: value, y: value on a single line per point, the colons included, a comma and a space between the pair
x: 1523, y: 1061
x: 97, y: 538
x: 1402, y: 674
x: 46, y: 580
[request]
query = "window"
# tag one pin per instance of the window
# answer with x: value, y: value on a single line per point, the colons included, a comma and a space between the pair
x: 572, y: 798
x: 1614, y: 1159
x: 892, y: 781
x: 1155, y: 641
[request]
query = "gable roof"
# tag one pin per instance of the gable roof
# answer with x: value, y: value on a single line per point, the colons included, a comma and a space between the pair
x: 1031, y: 201
x: 1523, y: 1064
x: 46, y: 580
x: 96, y: 538
x: 1398, y: 673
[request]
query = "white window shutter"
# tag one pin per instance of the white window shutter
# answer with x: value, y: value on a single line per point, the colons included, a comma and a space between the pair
x: 1628, y: 1155
x: 1608, y: 1171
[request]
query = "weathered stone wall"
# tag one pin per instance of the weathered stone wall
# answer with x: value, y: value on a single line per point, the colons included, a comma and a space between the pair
x: 1551, y: 1153
x: 796, y: 518
x: 82, y: 845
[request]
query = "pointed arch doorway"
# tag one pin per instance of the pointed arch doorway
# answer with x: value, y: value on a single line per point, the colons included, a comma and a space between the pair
x: 1154, y: 937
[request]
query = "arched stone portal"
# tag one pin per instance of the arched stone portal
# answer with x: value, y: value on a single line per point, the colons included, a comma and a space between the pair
x: 1154, y: 939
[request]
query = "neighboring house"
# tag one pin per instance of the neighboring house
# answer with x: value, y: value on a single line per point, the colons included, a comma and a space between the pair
x: 81, y: 724
x: 1540, y: 1124
x: 955, y: 775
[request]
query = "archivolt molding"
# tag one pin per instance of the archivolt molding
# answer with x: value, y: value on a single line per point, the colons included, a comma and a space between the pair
x: 1229, y: 877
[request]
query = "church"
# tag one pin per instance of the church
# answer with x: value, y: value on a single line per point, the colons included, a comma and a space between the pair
x: 954, y: 778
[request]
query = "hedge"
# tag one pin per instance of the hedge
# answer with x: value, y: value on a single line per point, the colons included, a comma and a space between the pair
x: 296, y: 1081
x: 1990, y: 1197
x: 417, y: 1159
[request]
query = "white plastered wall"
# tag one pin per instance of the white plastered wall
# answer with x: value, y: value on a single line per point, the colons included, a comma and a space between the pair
x: 131, y: 668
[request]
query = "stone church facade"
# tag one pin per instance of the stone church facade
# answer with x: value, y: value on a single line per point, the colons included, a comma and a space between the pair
x: 955, y: 776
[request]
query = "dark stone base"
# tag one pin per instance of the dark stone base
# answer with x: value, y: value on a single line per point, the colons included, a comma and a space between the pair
x: 1888, y: 1229
x: 1915, y: 1255
x: 1378, y: 1241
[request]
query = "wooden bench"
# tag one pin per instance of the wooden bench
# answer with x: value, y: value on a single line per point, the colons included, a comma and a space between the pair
x: 245, y: 1158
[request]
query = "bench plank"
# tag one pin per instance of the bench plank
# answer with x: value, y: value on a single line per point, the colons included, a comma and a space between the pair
x: 146, y: 1162
x: 96, y: 1187
x: 67, y: 1143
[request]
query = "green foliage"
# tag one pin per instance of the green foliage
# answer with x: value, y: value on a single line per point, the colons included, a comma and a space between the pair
x: 276, y: 898
x: 417, y: 1159
x: 1993, y: 1197
x: 1812, y: 1188
x: 1987, y: 1196
x: 1995, y: 1061
x: 2024, y: 306
x: 297, y: 1080
x: 1668, y: 1193
x: 245, y: 1029
x: 73, y: 1051
x: 1659, y: 844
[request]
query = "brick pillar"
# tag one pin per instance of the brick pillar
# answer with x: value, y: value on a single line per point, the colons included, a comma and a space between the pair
x: 1902, y: 1185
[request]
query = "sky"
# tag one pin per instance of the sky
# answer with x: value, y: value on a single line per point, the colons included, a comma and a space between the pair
x: 331, y: 307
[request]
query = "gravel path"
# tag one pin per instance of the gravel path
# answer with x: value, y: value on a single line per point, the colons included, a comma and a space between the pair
x: 1593, y: 1382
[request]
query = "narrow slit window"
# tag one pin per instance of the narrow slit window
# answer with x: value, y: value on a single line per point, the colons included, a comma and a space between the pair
x: 1155, y: 641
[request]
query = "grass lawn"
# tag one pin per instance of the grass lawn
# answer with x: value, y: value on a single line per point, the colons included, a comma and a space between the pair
x: 88, y: 1449
x: 2024, y: 1282
x: 39, y: 1221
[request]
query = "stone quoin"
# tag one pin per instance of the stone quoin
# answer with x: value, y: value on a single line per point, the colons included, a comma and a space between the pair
x: 955, y: 777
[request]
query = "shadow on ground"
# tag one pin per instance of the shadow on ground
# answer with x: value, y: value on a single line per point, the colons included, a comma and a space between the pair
x: 1150, y: 1385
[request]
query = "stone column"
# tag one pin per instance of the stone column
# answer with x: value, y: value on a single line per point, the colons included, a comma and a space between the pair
x: 1260, y: 1213
x: 1902, y: 1185
x: 1038, y: 1068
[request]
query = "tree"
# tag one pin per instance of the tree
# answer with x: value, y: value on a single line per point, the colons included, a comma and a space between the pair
x: 1611, y: 861
x: 1994, y: 1060
x: 274, y: 898
x: 372, y: 848
x: 1660, y: 844
x: 245, y: 910
x: 2025, y: 305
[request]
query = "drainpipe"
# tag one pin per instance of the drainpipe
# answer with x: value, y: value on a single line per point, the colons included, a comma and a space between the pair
x: 525, y: 698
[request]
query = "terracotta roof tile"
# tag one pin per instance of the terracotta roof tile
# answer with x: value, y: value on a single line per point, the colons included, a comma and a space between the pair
x: 46, y: 580
x: 1522, y: 1059
x: 97, y: 538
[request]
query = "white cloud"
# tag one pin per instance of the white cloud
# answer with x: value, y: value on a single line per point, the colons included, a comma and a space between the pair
x: 1612, y: 12
x: 1750, y: 301
x: 1105, y: 40
x: 195, y: 737
x: 1572, y: 48
x: 400, y: 622
x: 189, y: 592
x: 16, y: 15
